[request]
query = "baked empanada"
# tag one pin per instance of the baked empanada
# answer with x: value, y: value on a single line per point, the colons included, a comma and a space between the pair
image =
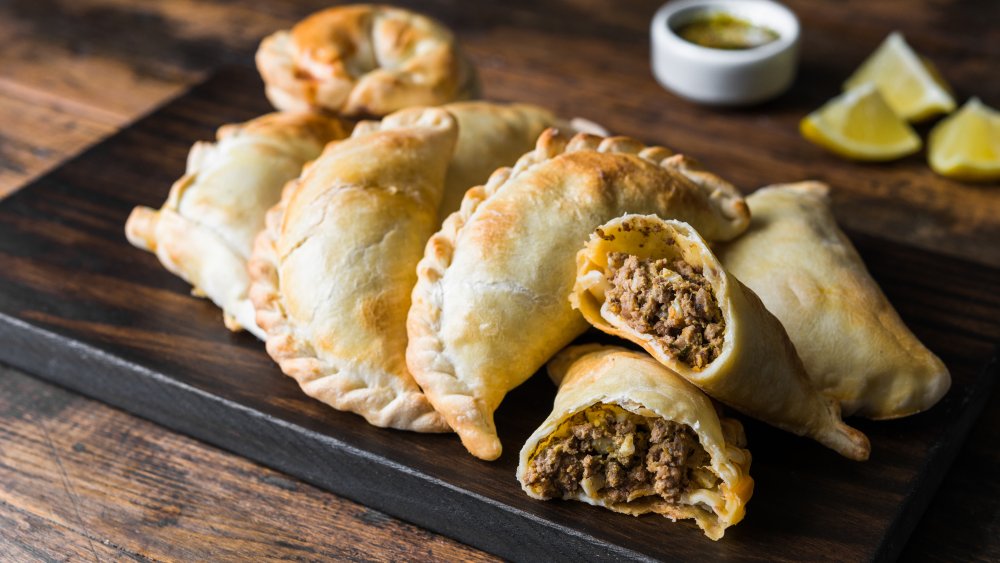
x: 333, y: 270
x: 656, y: 283
x: 493, y: 135
x: 629, y: 434
x: 851, y: 340
x: 491, y: 301
x: 205, y: 230
x: 364, y: 60
x: 490, y: 136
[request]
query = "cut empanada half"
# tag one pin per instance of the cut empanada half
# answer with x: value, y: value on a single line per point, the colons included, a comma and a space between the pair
x: 656, y: 283
x: 204, y: 231
x: 333, y: 270
x: 491, y: 302
x: 853, y: 343
x: 628, y: 434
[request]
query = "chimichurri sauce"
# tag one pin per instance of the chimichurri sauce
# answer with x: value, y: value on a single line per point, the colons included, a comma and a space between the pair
x: 721, y: 30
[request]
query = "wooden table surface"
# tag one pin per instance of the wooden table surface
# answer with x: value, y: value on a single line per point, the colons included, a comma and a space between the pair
x: 81, y: 480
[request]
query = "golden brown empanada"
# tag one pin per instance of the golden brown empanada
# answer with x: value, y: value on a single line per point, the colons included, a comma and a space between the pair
x: 205, y: 230
x: 490, y: 136
x: 656, y: 283
x: 364, y: 60
x: 493, y: 135
x: 491, y: 301
x: 333, y: 270
x: 851, y: 340
x: 629, y: 434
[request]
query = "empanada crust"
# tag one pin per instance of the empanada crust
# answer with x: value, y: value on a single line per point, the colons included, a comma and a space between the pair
x: 204, y: 232
x: 757, y: 371
x: 491, y: 301
x: 490, y: 136
x: 851, y: 340
x: 595, y: 374
x: 364, y: 60
x: 333, y: 270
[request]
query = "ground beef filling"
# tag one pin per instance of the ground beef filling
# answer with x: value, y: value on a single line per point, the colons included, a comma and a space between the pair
x: 670, y: 299
x: 626, y: 456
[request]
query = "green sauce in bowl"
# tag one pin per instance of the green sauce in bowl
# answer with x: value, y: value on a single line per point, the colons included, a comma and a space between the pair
x: 722, y: 30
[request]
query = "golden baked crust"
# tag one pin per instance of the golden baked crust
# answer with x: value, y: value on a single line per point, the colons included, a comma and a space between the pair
x: 333, y: 269
x: 851, y: 340
x: 204, y: 231
x: 490, y: 136
x: 493, y: 135
x: 757, y: 370
x: 594, y: 375
x: 364, y: 60
x: 491, y: 301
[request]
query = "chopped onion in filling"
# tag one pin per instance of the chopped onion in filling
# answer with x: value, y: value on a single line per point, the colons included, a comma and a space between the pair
x: 617, y: 456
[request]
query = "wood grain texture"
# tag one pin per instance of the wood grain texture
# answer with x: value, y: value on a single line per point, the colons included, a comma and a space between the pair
x: 82, y: 307
x: 580, y: 57
x: 181, y: 501
x: 51, y: 105
x: 962, y: 522
x: 145, y: 52
x: 597, y: 66
x: 26, y: 154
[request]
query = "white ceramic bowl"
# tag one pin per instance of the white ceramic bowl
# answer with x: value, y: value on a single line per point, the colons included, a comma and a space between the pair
x: 719, y: 76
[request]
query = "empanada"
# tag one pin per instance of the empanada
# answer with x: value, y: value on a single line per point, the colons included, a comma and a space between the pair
x: 656, y: 283
x: 205, y: 230
x: 490, y: 136
x: 364, y: 60
x: 491, y: 301
x: 851, y: 340
x: 629, y: 434
x: 333, y: 270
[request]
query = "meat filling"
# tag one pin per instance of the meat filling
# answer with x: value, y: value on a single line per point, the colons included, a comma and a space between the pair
x: 670, y: 299
x: 621, y: 455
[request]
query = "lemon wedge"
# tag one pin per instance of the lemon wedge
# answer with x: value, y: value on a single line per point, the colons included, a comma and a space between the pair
x: 910, y: 84
x: 860, y: 125
x: 966, y: 145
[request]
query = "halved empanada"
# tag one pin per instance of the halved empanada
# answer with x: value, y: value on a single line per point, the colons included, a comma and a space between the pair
x: 491, y: 301
x: 851, y: 340
x: 629, y: 434
x: 656, y: 282
x: 333, y: 270
x: 205, y: 230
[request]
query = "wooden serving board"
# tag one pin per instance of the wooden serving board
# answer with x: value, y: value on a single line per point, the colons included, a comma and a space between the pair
x: 82, y: 308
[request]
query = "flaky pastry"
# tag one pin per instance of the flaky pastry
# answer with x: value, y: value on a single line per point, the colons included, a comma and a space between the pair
x: 851, y: 340
x: 364, y: 60
x: 491, y: 302
x: 204, y: 232
x: 629, y: 434
x: 490, y: 136
x: 333, y: 269
x: 656, y: 283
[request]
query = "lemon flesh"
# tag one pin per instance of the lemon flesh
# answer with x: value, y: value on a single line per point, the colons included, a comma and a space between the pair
x: 860, y: 125
x: 966, y: 146
x: 911, y: 85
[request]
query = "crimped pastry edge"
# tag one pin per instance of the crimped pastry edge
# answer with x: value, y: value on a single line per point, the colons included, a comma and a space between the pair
x: 425, y: 350
x: 277, y: 61
x: 295, y: 356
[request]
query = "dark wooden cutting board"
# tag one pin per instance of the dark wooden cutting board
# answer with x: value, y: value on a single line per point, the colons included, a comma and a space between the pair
x: 82, y: 308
